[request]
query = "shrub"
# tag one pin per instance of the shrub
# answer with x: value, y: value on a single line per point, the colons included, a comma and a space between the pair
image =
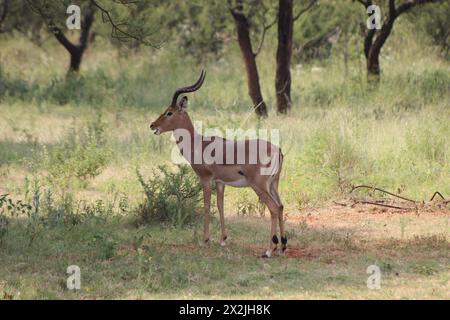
x: 171, y: 197
x: 83, y: 154
x: 247, y: 207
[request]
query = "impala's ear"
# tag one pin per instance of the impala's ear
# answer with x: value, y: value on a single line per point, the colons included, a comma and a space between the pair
x: 182, y: 104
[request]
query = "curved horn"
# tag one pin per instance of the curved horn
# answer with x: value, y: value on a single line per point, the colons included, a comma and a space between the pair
x: 187, y: 89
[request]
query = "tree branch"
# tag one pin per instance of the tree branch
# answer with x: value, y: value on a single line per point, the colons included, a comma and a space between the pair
x: 117, y: 30
x: 410, y: 4
x: 392, y: 10
x: 265, y: 28
x: 304, y: 10
x: 88, y: 19
x: 59, y: 35
x: 394, y: 13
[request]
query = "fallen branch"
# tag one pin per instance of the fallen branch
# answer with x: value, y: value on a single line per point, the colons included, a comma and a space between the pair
x: 382, y: 202
x: 439, y: 194
x: 383, y: 205
x: 381, y: 190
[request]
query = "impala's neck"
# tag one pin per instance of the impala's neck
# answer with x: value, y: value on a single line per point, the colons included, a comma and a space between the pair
x: 185, y: 125
x: 188, y: 140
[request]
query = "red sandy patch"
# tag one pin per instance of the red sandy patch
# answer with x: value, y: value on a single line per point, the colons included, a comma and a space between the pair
x: 308, y: 253
x: 343, y: 213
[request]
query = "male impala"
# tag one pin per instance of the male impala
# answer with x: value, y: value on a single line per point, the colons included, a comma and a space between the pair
x: 244, y: 163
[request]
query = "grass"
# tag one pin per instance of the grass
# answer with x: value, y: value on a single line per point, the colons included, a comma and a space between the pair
x: 323, y: 261
x: 77, y: 143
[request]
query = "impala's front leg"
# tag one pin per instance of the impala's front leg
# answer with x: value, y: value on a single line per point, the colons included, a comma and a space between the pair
x: 206, y: 185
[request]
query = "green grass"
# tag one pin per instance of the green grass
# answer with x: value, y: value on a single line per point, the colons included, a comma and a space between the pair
x: 170, y: 263
x: 78, y: 142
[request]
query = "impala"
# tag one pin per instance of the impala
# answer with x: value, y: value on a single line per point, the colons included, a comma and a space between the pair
x: 253, y: 163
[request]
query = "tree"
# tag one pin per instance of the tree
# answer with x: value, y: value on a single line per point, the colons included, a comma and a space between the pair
x: 126, y: 30
x: 375, y: 39
x: 249, y: 56
x: 75, y: 50
x: 284, y: 52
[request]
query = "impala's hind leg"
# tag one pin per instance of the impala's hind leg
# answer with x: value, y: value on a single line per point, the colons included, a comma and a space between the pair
x: 276, y: 197
x: 274, y: 213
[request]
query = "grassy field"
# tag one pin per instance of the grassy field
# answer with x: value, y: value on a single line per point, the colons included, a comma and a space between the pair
x: 70, y: 148
x: 329, y: 252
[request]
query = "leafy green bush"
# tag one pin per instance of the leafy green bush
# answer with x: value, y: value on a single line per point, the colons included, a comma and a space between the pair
x: 83, y: 154
x: 171, y: 197
x: 246, y: 207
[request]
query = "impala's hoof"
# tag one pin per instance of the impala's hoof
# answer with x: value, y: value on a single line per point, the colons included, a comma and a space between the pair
x: 267, y: 254
x: 222, y: 242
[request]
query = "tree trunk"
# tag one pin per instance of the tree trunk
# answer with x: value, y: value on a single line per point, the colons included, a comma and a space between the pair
x: 76, y: 51
x: 245, y: 45
x: 373, y: 65
x: 374, y: 49
x: 284, y: 54
x: 75, y: 60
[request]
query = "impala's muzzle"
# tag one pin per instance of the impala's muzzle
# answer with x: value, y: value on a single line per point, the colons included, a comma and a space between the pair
x: 156, y: 130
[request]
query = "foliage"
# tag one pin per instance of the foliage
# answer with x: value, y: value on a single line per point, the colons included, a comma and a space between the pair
x: 434, y: 21
x: 82, y: 155
x: 246, y: 206
x: 93, y: 128
x: 42, y: 210
x: 317, y: 31
x: 171, y: 197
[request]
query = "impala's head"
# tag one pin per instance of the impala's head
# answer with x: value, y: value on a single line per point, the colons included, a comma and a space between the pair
x: 173, y: 117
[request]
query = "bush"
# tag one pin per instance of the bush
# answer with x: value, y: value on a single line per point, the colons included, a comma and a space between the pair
x: 247, y: 206
x: 171, y: 197
x: 83, y: 154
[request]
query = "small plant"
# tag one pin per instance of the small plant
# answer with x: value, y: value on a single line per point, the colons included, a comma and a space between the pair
x: 106, y: 246
x: 172, y: 197
x: 13, y: 208
x: 247, y: 207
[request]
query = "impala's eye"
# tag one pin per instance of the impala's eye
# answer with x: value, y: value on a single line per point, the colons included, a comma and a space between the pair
x: 168, y: 114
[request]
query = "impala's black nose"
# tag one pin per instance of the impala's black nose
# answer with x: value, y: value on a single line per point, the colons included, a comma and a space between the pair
x: 152, y: 126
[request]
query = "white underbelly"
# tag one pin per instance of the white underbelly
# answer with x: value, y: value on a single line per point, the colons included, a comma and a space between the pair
x: 236, y: 183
